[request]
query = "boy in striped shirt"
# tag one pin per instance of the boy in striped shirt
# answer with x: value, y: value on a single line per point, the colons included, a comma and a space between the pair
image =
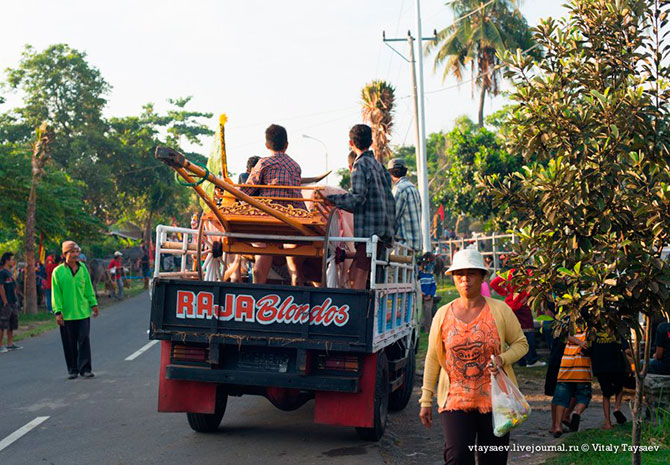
x: 574, y: 381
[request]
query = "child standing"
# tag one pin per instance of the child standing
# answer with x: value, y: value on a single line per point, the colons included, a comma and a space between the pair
x: 574, y: 380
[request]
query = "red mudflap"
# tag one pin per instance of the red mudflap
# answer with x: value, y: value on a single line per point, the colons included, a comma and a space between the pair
x: 183, y: 396
x: 346, y: 408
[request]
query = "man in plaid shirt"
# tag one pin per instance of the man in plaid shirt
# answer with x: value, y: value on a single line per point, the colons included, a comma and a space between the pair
x: 370, y: 199
x: 407, y: 206
x: 276, y: 170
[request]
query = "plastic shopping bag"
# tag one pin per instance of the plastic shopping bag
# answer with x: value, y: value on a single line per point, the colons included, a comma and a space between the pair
x: 510, y: 407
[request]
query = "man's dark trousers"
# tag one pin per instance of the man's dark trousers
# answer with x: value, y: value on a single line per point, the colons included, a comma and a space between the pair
x: 77, y: 345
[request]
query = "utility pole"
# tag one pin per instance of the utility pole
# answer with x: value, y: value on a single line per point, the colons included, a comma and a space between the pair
x: 425, y: 199
x: 420, y: 131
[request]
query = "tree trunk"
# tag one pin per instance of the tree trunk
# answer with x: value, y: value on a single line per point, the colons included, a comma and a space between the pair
x: 30, y: 285
x: 458, y: 224
x: 482, y: 97
x: 641, y: 366
x: 37, y: 162
x: 636, y: 437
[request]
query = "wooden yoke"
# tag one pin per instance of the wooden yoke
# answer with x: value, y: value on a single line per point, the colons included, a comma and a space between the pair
x: 181, y: 165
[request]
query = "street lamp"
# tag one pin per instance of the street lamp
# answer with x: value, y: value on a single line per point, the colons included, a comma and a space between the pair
x: 325, y: 149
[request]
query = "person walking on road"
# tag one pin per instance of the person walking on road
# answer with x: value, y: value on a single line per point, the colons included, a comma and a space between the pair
x: 428, y: 285
x: 145, y: 264
x: 9, y: 312
x: 470, y: 338
x: 517, y: 299
x: 73, y: 302
x: 116, y: 271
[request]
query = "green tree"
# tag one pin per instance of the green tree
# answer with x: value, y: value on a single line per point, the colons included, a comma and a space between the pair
x: 60, y: 212
x: 593, y: 221
x: 345, y: 178
x: 179, y: 122
x: 479, y: 33
x: 455, y: 161
x: 145, y: 188
x: 378, y: 99
x: 60, y: 86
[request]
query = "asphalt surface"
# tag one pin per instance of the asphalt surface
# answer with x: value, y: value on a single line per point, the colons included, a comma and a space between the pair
x: 112, y: 418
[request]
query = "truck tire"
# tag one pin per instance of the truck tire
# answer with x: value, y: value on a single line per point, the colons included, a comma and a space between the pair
x: 399, y: 398
x: 209, y: 422
x: 381, y: 402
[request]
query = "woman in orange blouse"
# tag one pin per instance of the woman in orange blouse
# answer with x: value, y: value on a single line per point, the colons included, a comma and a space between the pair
x: 464, y: 335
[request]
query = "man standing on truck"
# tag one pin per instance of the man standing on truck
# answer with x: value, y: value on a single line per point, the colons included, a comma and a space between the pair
x: 276, y: 170
x: 407, y: 206
x: 73, y: 302
x: 370, y: 199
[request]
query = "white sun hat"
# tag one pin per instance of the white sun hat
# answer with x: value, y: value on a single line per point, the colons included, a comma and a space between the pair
x: 467, y: 259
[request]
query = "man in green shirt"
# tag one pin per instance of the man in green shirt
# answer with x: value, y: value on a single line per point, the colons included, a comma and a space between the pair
x: 73, y: 300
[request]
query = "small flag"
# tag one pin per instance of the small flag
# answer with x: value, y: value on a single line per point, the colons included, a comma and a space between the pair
x: 41, y: 252
x: 440, y: 211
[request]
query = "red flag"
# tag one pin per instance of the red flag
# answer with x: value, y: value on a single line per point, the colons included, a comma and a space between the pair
x: 440, y: 211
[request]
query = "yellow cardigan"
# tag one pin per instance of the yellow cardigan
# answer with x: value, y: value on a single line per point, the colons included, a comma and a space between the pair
x: 513, y: 346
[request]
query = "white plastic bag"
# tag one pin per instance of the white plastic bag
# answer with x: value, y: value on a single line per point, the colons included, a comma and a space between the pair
x: 510, y: 407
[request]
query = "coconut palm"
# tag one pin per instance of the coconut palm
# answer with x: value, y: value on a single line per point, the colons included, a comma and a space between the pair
x: 480, y: 31
x: 41, y: 154
x: 378, y: 101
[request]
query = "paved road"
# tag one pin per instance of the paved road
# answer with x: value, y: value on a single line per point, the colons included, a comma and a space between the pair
x: 112, y: 418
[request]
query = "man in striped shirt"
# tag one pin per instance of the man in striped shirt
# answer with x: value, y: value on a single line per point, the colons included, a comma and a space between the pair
x: 407, y: 206
x: 574, y: 380
x: 370, y: 200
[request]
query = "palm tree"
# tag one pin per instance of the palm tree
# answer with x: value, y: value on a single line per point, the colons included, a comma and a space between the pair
x: 378, y: 102
x: 41, y: 154
x: 481, y: 30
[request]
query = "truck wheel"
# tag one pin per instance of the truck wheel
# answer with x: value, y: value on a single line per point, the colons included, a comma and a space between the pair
x: 399, y: 398
x: 381, y: 398
x: 209, y: 422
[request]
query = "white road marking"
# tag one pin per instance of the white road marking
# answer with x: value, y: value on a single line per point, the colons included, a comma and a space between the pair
x: 146, y: 347
x: 16, y: 435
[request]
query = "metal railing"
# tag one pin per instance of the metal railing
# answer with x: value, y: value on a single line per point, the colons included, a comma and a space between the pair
x: 492, y: 246
x: 392, y: 278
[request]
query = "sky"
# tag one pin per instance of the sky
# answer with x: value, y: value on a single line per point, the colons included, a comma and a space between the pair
x: 298, y: 63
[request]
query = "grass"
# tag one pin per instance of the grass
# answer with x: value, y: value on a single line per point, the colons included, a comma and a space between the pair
x: 41, y: 322
x: 616, y: 437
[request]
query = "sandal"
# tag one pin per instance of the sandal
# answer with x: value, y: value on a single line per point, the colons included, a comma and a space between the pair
x: 558, y: 434
x: 620, y: 417
x: 574, y: 422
